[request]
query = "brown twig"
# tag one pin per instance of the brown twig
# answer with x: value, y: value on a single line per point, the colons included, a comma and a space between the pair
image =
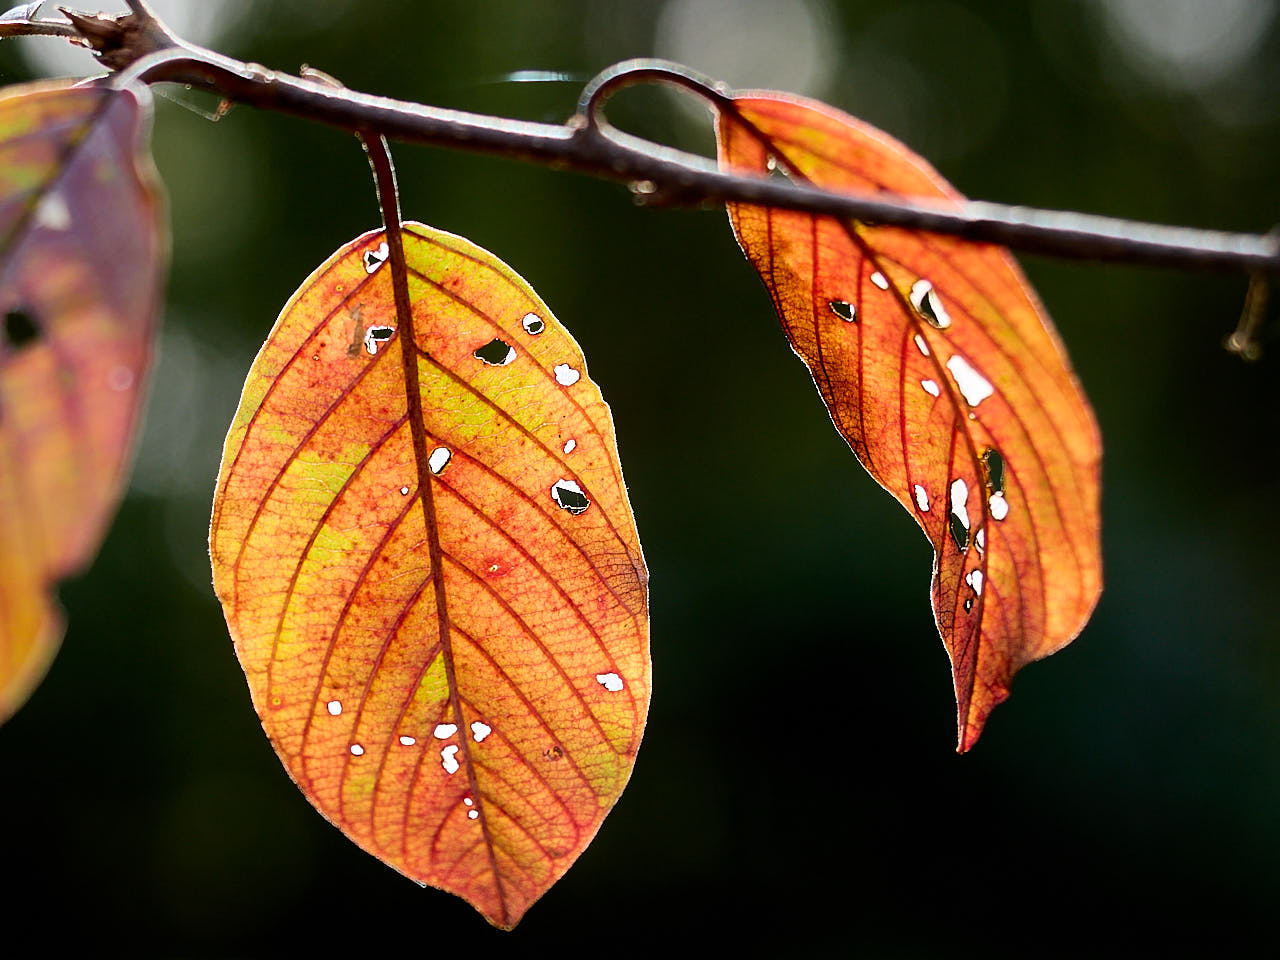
x: 588, y: 144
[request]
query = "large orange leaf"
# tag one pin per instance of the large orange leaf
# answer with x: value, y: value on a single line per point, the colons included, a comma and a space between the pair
x: 471, y: 723
x: 941, y: 369
x: 81, y: 257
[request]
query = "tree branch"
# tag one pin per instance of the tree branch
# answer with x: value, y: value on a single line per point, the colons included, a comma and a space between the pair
x: 588, y: 144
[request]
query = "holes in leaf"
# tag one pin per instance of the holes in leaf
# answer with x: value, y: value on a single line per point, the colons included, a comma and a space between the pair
x: 570, y: 446
x: 922, y: 346
x: 373, y: 259
x: 993, y: 468
x: 968, y: 604
x: 439, y: 459
x: 931, y: 387
x: 610, y: 681
x: 533, y: 324
x: 20, y: 329
x: 404, y: 491
x: 974, y: 580
x: 980, y: 540
x: 566, y: 376
x: 407, y: 741
x: 569, y: 496
x: 449, y: 760
x: 357, y: 750
x: 473, y: 814
x: 973, y: 385
x: 929, y: 305
x: 959, y: 521
x: 922, y: 498
x: 880, y: 280
x: 999, y: 506
x: 553, y: 752
x: 480, y: 730
x: 376, y: 336
x: 335, y: 708
x: 444, y: 731
x: 844, y: 310
x: 496, y: 353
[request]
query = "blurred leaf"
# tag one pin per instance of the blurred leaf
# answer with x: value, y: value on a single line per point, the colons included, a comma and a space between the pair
x: 470, y: 724
x: 81, y: 261
x: 941, y: 370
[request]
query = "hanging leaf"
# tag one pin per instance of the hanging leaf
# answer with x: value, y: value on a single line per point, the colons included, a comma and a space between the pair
x: 81, y: 262
x: 469, y: 722
x: 941, y: 370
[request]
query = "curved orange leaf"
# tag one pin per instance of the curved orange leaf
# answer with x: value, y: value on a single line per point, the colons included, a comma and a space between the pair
x: 941, y: 369
x: 81, y: 257
x: 470, y: 725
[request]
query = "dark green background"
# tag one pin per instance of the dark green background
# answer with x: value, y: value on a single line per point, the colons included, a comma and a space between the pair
x: 798, y: 787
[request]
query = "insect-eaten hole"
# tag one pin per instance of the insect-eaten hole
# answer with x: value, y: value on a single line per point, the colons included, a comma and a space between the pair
x: 959, y: 520
x: 20, y: 328
x: 375, y: 336
x: 569, y: 496
x: 553, y: 752
x: 373, y: 259
x: 929, y: 305
x: 844, y: 310
x: 496, y: 353
x: 993, y: 468
x: 439, y: 459
x: 533, y: 324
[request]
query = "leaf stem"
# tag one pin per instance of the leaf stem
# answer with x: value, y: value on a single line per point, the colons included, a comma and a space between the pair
x: 587, y: 144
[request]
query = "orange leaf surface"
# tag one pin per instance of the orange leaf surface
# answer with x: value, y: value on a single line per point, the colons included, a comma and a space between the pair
x: 81, y: 255
x: 941, y: 369
x: 470, y: 725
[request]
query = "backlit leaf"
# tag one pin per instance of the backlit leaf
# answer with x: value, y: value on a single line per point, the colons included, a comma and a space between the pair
x: 470, y: 725
x: 81, y: 257
x: 940, y: 368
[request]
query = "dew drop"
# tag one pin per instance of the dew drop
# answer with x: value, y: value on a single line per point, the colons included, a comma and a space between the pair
x: 496, y: 353
x: 373, y: 259
x: 844, y: 310
x: 931, y: 387
x: 566, y: 376
x: 439, y: 459
x: 973, y: 385
x: 999, y: 506
x: 929, y: 305
x: 408, y: 741
x: 922, y: 346
x: 922, y: 499
x: 335, y: 708
x: 480, y: 730
x: 357, y: 750
x: 570, y: 446
x: 569, y: 496
x: 610, y: 681
x: 448, y: 760
x: 533, y: 324
x: 880, y: 280
x: 444, y: 731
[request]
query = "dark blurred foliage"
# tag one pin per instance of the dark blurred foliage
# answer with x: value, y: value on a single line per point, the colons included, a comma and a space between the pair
x: 797, y: 790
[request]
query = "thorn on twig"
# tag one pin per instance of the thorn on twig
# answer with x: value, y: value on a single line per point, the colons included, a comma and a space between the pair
x: 1243, y: 341
x: 121, y: 41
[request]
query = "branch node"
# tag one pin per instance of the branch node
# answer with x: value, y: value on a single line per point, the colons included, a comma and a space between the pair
x: 121, y: 41
x: 1243, y: 341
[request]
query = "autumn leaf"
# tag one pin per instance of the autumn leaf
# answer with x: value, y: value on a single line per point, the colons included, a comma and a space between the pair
x: 469, y: 721
x: 81, y: 262
x: 941, y: 369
